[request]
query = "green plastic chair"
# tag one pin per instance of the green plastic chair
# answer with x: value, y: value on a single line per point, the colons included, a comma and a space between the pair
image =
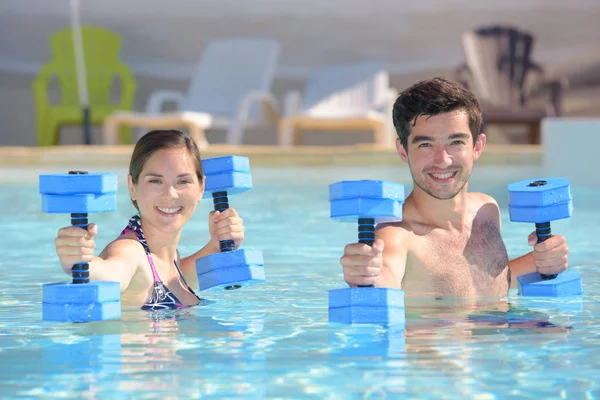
x: 101, y: 49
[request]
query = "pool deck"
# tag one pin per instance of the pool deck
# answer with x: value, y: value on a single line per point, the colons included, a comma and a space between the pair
x: 362, y: 154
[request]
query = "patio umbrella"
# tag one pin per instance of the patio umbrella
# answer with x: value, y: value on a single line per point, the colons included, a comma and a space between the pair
x: 80, y: 70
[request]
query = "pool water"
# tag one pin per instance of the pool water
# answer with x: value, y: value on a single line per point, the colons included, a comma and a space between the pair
x: 273, y: 340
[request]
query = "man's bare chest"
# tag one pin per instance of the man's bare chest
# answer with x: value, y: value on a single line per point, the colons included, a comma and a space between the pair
x: 467, y: 264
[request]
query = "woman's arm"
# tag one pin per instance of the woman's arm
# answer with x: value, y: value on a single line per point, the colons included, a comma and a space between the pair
x: 188, y: 264
x: 118, y: 262
x: 226, y: 225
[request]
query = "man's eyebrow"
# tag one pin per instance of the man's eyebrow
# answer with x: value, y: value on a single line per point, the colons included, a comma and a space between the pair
x: 418, y: 139
x: 459, y: 136
x: 454, y: 136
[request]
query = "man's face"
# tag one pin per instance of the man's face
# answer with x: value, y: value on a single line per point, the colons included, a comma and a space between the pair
x: 440, y: 153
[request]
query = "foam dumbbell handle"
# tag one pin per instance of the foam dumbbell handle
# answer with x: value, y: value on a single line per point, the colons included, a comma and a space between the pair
x: 543, y: 232
x: 80, y: 271
x: 366, y: 234
x: 221, y: 203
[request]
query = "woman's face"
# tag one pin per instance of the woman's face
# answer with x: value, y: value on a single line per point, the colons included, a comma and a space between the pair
x: 168, y: 189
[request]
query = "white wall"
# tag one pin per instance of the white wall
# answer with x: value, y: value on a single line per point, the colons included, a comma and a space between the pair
x: 571, y: 149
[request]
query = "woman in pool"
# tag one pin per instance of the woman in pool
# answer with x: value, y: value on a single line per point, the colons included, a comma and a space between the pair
x: 165, y: 183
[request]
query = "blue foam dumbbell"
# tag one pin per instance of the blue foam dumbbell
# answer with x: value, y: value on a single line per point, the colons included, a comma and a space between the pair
x: 80, y: 193
x: 369, y: 203
x: 230, y: 269
x: 541, y: 201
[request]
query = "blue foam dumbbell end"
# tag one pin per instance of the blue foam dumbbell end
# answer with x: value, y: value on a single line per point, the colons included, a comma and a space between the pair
x: 380, y: 200
x: 83, y: 193
x: 92, y: 301
x: 540, y: 203
x: 367, y: 306
x: 229, y: 259
x: 70, y: 184
x: 381, y: 211
x: 567, y: 283
x: 239, y: 268
x: 230, y: 173
x: 377, y: 297
x: 79, y: 203
x: 238, y: 277
x: 366, y: 189
x: 79, y: 194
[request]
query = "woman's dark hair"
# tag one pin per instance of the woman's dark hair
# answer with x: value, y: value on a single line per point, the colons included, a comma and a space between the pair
x: 433, y: 97
x: 159, y: 140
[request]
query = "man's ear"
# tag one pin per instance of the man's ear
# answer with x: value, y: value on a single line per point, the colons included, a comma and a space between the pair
x: 401, y: 151
x: 479, y: 145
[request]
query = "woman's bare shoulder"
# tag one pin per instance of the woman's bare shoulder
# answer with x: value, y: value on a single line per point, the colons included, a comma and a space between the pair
x: 125, y: 246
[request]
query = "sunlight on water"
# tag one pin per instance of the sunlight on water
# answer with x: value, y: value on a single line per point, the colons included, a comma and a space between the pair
x: 274, y: 339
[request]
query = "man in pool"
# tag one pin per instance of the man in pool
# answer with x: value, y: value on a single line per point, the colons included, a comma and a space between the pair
x: 449, y: 243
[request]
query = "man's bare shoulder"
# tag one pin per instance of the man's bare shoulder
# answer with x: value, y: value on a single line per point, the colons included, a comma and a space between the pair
x: 482, y: 198
x: 402, y: 230
x: 393, y: 230
x: 484, y: 206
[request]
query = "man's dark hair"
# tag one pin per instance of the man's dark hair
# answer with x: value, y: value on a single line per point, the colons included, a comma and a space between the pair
x: 433, y: 97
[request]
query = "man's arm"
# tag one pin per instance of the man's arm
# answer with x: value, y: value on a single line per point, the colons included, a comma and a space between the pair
x: 548, y: 257
x: 518, y: 266
x: 521, y: 266
x: 394, y: 257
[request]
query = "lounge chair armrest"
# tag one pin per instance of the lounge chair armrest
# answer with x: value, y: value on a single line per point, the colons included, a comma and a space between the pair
x: 266, y: 99
x: 545, y: 80
x: 235, y: 131
x: 292, y: 103
x: 40, y: 83
x: 159, y: 97
x: 555, y: 86
x: 129, y: 85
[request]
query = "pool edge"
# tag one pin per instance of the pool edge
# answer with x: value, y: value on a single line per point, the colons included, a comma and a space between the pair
x: 362, y: 154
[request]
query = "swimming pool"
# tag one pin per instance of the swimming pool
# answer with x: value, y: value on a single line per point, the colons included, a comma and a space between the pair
x: 273, y: 340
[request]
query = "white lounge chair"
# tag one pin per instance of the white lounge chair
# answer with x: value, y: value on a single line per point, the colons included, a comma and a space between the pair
x: 343, y: 97
x: 230, y: 90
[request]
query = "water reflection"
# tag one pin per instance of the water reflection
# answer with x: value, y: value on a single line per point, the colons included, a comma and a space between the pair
x: 429, y: 322
x: 187, y: 351
x: 213, y: 351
